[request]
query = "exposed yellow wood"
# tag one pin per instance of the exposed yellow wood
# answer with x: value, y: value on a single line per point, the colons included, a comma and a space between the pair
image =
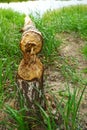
x: 31, y: 44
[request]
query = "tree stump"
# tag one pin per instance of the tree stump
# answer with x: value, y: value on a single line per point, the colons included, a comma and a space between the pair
x: 30, y: 70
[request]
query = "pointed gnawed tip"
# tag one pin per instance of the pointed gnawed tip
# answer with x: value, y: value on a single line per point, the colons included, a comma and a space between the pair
x: 28, y: 20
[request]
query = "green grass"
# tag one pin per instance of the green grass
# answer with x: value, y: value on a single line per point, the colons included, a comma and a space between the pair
x: 7, y: 1
x: 19, y: 118
x: 52, y: 23
x: 69, y: 19
x: 10, y: 25
x: 70, y: 110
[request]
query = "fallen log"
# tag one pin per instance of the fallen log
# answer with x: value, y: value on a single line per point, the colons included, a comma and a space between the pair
x: 30, y: 70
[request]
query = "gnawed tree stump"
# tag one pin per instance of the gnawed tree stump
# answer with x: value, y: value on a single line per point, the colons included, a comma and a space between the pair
x: 30, y: 70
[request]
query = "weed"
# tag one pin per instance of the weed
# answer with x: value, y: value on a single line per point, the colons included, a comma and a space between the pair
x: 69, y: 108
x: 48, y: 119
x: 17, y: 117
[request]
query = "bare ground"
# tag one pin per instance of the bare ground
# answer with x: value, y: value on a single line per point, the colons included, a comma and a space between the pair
x: 58, y: 76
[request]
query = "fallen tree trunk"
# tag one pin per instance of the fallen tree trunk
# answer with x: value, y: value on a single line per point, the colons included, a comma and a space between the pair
x: 30, y: 70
